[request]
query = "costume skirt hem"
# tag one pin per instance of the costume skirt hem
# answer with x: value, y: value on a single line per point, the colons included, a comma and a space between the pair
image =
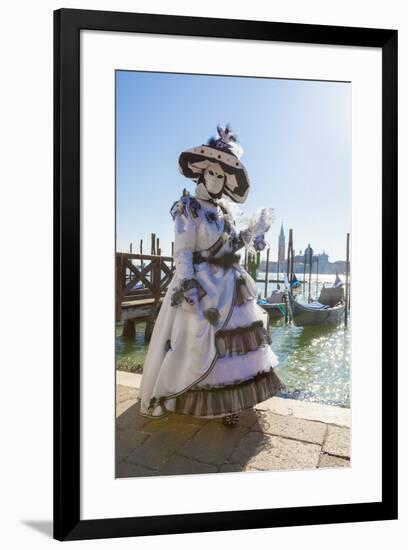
x: 231, y: 398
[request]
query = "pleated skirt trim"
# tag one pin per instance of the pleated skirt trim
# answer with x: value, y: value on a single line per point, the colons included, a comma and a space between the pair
x: 229, y: 398
x: 242, y: 340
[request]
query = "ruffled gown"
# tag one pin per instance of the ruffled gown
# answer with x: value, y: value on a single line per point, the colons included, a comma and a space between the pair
x: 213, y: 357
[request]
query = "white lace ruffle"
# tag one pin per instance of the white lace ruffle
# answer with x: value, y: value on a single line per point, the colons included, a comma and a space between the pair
x: 256, y: 227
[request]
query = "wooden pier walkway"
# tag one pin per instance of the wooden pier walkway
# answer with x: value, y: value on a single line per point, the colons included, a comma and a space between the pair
x: 141, y: 283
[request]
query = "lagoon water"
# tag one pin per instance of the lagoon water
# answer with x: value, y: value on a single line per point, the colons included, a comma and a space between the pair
x: 314, y: 362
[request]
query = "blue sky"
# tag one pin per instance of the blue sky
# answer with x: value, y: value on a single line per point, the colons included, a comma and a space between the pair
x: 296, y: 137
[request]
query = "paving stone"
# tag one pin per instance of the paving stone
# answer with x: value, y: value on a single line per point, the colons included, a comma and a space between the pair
x: 291, y: 427
x: 123, y: 407
x: 329, y: 461
x: 187, y: 419
x: 248, y: 447
x: 126, y: 441
x: 164, y: 440
x: 125, y: 398
x: 249, y: 417
x: 231, y: 468
x: 213, y: 443
x: 124, y: 469
x: 124, y: 393
x: 337, y: 441
x: 174, y: 420
x: 182, y: 465
x: 131, y: 419
x: 267, y: 452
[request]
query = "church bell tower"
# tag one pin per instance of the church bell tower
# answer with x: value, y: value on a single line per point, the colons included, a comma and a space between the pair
x: 281, y: 248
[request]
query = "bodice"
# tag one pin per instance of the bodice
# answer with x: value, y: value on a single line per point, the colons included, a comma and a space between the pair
x: 215, y: 229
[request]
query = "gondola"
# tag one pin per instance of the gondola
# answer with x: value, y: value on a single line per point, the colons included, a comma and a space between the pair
x: 274, y: 305
x: 275, y: 311
x: 314, y: 313
x: 332, y: 295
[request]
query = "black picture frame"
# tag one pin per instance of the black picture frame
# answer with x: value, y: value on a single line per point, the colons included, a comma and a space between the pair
x: 67, y: 26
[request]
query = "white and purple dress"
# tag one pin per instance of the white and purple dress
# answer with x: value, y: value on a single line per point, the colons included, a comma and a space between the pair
x: 212, y: 357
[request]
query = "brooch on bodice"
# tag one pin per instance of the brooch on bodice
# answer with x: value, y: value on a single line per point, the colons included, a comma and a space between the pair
x: 185, y: 202
x: 212, y: 217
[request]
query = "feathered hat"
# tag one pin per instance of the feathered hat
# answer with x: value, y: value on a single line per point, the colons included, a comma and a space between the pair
x: 224, y: 150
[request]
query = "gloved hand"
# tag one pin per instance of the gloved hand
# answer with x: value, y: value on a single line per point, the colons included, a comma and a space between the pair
x: 187, y: 295
x: 191, y: 296
x: 259, y: 242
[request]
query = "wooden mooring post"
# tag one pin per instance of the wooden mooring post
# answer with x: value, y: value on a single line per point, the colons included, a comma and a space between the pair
x: 304, y: 274
x: 129, y: 329
x: 120, y: 280
x: 289, y: 272
x: 288, y: 256
x: 347, y: 305
x: 266, y: 273
x: 292, y: 253
x: 141, y: 253
x: 309, y: 298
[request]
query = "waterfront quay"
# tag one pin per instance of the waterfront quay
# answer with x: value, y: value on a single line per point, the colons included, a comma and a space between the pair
x: 278, y: 434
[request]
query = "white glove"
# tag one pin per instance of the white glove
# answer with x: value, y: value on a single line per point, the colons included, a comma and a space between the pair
x: 191, y: 296
x: 259, y: 243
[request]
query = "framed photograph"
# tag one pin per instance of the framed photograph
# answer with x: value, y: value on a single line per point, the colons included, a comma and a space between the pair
x: 225, y: 249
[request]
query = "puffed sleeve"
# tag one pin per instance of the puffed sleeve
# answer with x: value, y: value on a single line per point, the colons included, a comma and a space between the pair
x: 185, y: 235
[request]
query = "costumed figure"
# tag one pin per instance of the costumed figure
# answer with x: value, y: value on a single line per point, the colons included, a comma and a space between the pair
x: 210, y: 353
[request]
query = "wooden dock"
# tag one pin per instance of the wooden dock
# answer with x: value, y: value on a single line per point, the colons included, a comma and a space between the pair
x: 141, y: 283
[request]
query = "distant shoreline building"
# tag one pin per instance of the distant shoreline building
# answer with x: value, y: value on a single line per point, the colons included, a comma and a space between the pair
x: 325, y: 266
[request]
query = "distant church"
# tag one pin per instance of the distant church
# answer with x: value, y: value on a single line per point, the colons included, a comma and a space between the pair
x: 324, y: 265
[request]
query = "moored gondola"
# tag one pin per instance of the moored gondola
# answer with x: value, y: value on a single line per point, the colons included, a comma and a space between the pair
x: 274, y: 305
x: 334, y: 294
x: 314, y: 313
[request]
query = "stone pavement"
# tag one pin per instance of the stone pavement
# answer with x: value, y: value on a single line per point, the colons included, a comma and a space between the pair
x: 263, y: 440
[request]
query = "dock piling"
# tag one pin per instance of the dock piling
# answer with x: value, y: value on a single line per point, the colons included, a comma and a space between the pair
x: 129, y: 330
x: 347, y: 304
x: 267, y: 272
x: 309, y: 298
x: 304, y: 273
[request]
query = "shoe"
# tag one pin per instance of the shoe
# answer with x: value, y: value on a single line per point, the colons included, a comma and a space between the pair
x: 230, y: 420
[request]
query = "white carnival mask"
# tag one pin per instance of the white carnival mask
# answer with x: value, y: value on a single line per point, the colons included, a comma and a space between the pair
x: 214, y: 178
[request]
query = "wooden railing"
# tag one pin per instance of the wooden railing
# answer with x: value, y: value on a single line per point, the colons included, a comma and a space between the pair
x: 153, y: 272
